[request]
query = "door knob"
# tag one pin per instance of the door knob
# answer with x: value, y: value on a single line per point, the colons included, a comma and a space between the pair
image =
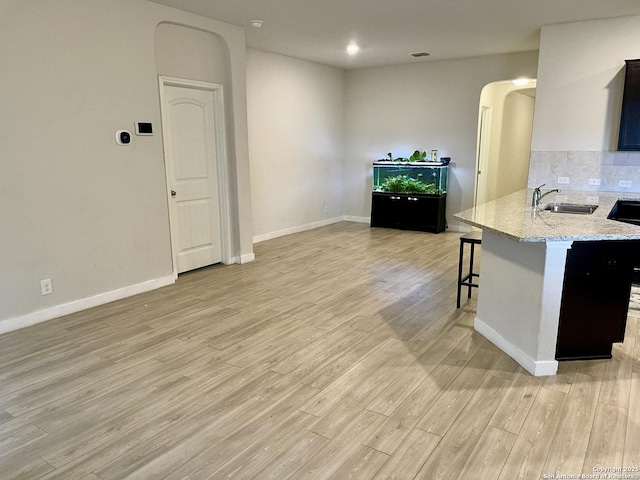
x: 173, y: 193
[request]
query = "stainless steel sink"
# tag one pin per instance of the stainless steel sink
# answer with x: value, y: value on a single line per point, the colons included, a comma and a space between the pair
x: 574, y: 208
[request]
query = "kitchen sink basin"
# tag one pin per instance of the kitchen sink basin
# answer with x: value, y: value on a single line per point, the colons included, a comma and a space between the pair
x: 574, y: 208
x: 627, y: 211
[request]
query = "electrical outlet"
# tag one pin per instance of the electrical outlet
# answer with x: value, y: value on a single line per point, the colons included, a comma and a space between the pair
x: 564, y: 180
x: 594, y: 181
x: 326, y: 209
x: 593, y: 198
x: 46, y: 286
x: 624, y: 183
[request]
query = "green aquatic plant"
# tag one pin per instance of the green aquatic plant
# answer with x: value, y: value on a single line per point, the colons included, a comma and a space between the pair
x: 418, y: 157
x: 391, y: 159
x: 406, y: 184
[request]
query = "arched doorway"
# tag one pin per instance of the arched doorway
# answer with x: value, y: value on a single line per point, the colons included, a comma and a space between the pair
x: 505, y: 121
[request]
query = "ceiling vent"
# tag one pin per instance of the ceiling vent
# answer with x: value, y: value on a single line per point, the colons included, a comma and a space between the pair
x: 420, y: 54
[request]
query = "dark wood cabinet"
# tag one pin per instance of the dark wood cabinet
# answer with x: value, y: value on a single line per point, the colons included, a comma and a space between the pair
x: 408, y: 211
x: 629, y: 138
x: 595, y: 298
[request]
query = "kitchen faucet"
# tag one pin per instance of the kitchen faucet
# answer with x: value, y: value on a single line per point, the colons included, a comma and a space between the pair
x: 537, y: 194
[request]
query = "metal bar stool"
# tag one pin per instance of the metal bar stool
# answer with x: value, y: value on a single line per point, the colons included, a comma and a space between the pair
x: 473, y: 239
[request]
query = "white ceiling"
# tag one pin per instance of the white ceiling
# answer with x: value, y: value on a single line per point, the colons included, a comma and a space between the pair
x: 387, y: 31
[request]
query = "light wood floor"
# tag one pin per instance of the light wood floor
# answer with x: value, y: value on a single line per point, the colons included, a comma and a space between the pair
x: 338, y: 353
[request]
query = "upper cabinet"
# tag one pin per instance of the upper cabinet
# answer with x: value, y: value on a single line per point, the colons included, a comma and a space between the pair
x: 629, y: 138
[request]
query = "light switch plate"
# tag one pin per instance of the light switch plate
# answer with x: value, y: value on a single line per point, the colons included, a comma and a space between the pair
x: 594, y: 181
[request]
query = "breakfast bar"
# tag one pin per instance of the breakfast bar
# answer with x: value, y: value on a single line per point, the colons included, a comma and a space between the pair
x: 523, y: 277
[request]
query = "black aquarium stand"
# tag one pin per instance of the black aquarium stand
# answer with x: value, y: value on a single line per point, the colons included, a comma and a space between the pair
x: 409, y: 211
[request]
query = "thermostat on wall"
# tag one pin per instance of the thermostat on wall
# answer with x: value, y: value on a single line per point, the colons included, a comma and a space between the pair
x: 144, y: 128
x: 123, y: 137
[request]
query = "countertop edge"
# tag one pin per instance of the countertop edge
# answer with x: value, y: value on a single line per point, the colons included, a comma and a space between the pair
x: 489, y: 229
x: 513, y: 227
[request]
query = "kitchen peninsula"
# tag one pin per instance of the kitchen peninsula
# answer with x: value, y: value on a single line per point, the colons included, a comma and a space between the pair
x: 524, y: 253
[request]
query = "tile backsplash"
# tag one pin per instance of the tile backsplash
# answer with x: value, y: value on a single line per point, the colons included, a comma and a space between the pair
x: 579, y: 166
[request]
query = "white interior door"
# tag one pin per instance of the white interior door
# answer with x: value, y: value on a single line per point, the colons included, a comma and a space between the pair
x: 189, y: 127
x: 484, y: 137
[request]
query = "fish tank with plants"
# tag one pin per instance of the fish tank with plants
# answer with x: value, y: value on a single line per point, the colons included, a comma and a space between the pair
x: 410, y: 177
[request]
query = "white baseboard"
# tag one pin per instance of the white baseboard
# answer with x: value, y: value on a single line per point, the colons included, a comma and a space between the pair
x: 459, y: 228
x: 297, y: 229
x: 29, y: 319
x: 248, y: 257
x: 349, y: 218
x: 535, y: 368
x: 343, y: 218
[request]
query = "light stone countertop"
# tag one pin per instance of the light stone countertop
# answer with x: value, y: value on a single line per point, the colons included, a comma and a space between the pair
x: 513, y: 216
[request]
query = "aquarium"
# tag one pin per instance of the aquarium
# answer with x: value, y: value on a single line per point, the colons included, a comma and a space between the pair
x: 405, y: 177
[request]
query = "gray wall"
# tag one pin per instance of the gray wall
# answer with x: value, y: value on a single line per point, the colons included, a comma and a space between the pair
x: 512, y: 169
x: 578, y: 102
x: 432, y: 105
x: 296, y: 142
x: 78, y: 208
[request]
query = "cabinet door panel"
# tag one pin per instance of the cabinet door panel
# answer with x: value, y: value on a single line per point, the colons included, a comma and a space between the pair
x: 408, y: 211
x: 386, y: 211
x: 595, y: 298
x: 629, y: 138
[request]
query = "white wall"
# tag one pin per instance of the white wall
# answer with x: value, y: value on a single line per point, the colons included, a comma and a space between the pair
x: 190, y: 53
x: 578, y: 101
x: 493, y: 96
x: 296, y: 142
x: 509, y: 139
x: 580, y: 78
x: 78, y: 208
x: 523, y: 322
x: 515, y: 144
x: 432, y: 105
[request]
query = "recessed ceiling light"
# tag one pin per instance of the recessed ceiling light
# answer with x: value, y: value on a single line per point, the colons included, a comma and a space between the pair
x: 256, y: 23
x: 352, y: 49
x: 520, y: 82
x: 420, y: 54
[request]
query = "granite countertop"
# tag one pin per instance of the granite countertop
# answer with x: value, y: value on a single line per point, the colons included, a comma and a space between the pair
x: 513, y: 216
